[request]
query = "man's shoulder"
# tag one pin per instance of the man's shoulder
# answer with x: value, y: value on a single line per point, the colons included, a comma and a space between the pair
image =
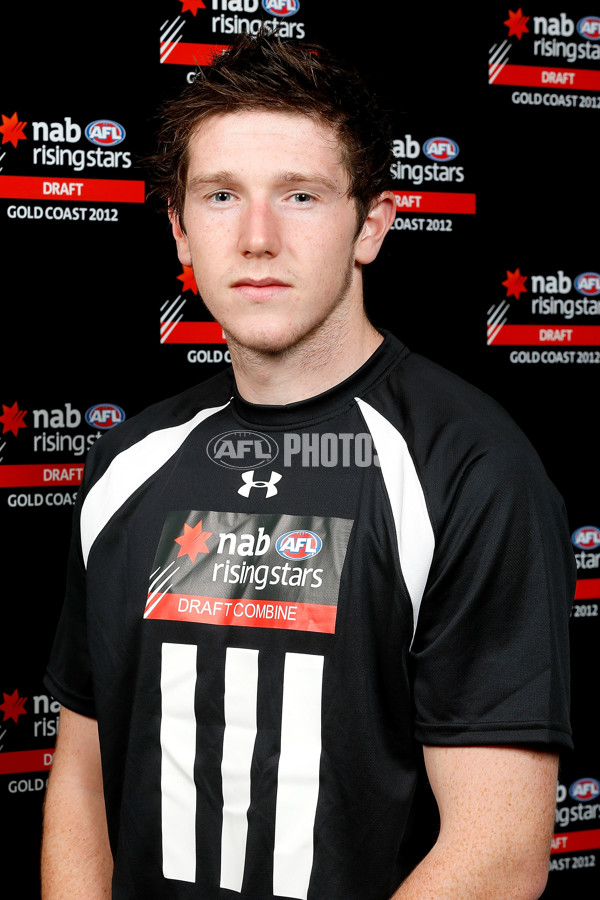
x: 169, y: 412
x: 450, y: 425
x: 429, y: 394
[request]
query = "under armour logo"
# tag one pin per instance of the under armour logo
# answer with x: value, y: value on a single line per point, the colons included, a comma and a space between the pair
x: 248, y: 478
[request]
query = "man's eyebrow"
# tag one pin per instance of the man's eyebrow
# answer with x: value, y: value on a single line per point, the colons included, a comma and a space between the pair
x: 226, y: 177
x: 222, y: 177
x: 317, y: 178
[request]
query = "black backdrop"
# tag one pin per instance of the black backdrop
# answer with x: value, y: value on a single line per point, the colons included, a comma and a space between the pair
x: 491, y: 269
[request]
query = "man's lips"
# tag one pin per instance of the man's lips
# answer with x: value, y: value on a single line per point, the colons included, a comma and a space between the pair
x: 259, y: 282
x: 260, y: 288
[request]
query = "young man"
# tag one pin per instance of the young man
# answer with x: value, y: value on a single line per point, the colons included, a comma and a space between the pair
x: 305, y: 587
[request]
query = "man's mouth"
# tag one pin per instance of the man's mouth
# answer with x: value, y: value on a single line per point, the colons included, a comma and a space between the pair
x: 260, y: 288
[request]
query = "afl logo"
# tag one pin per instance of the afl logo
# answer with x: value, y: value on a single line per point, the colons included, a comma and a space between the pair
x: 587, y: 538
x: 281, y: 8
x: 589, y: 27
x: 242, y: 450
x: 105, y: 133
x: 104, y: 415
x: 588, y: 284
x: 440, y: 149
x: 585, y: 789
x: 298, y: 544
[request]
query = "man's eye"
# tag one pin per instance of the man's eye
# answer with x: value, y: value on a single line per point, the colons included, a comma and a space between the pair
x: 301, y: 197
x: 221, y: 196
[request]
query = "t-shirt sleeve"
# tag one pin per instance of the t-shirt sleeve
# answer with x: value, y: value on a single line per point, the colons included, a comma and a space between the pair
x: 68, y: 675
x: 491, y: 655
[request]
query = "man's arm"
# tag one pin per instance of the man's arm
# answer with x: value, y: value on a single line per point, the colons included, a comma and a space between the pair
x: 76, y: 857
x: 496, y: 809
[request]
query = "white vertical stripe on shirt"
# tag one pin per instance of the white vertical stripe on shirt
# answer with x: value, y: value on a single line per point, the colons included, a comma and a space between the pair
x: 178, y: 746
x: 298, y: 776
x: 414, y: 532
x: 241, y: 685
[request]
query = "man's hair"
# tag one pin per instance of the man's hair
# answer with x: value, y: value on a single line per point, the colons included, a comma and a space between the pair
x: 264, y: 72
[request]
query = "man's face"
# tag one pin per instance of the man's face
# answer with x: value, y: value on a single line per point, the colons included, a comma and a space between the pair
x: 269, y: 228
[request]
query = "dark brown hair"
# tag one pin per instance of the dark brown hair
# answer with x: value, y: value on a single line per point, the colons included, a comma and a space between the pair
x: 266, y: 72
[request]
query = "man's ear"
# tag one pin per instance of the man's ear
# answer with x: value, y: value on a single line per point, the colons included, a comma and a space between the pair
x: 183, y: 247
x: 377, y: 224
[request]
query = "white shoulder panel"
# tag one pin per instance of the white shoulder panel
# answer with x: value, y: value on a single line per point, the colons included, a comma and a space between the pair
x: 128, y: 471
x: 414, y: 532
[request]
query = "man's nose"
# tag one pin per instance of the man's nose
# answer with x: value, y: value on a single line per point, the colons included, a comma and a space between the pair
x: 259, y: 230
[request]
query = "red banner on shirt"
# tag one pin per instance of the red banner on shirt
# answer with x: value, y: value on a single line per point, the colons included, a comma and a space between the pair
x: 249, y: 613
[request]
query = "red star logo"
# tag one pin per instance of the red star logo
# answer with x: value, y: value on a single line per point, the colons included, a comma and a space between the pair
x: 13, y: 706
x: 517, y: 23
x: 12, y: 418
x: 515, y: 283
x: 12, y: 130
x: 188, y: 280
x: 192, y: 6
x: 193, y: 541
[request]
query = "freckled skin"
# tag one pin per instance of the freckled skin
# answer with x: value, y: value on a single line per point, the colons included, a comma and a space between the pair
x: 497, y: 817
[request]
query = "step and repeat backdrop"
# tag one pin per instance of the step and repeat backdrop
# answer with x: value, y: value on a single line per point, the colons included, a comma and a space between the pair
x: 492, y: 268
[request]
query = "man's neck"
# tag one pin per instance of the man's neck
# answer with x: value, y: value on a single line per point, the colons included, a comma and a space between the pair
x: 317, y: 364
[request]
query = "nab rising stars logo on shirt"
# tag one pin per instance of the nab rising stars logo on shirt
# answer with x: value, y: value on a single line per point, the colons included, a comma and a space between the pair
x: 225, y: 568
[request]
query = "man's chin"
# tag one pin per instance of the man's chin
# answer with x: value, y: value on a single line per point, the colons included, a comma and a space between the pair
x: 268, y: 342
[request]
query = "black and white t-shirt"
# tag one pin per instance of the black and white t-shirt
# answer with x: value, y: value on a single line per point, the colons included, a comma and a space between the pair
x: 270, y: 608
